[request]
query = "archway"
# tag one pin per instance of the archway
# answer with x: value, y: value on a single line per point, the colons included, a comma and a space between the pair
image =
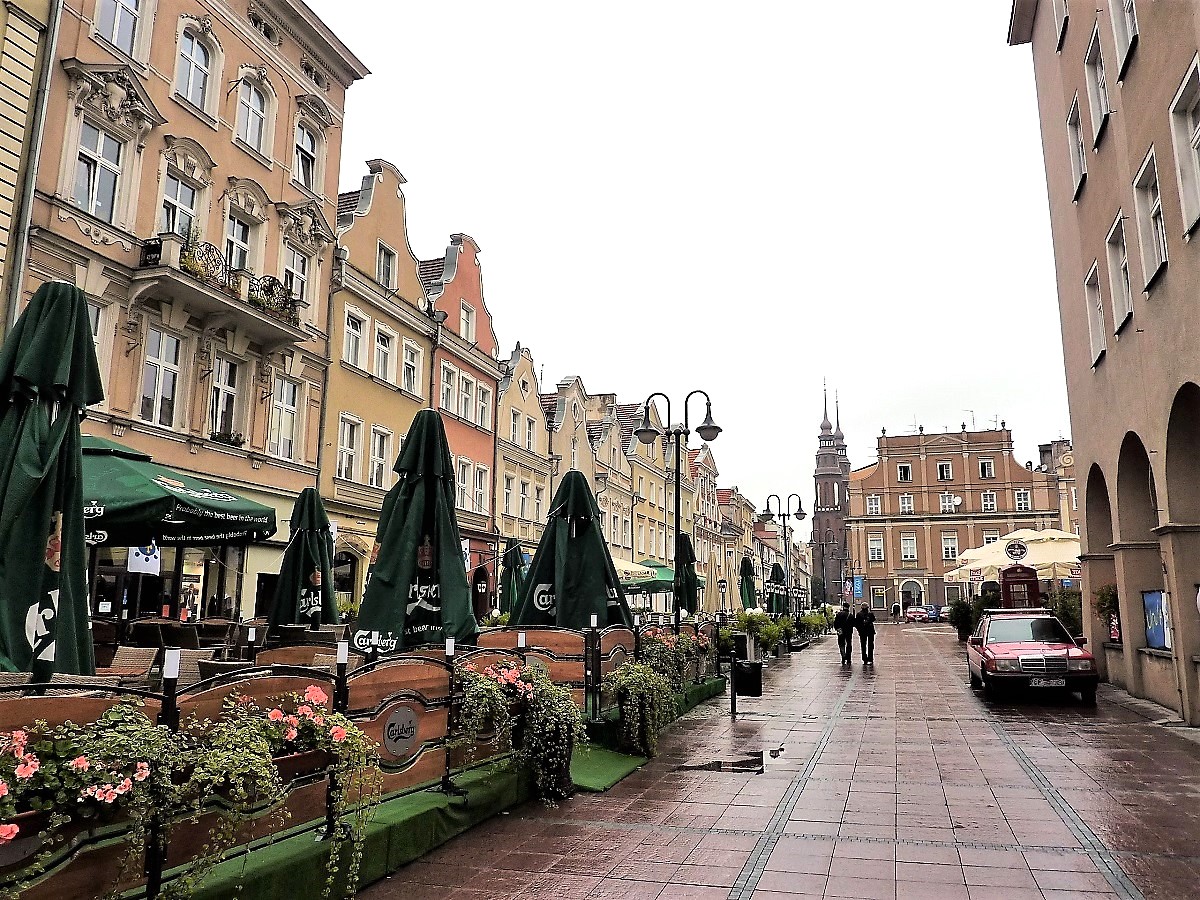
x: 1180, y: 539
x: 1137, y: 497
x: 910, y: 593
x: 1183, y: 457
x: 345, y: 578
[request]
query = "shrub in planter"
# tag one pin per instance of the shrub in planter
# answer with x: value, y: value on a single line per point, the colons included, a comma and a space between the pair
x: 1108, y: 608
x: 787, y: 630
x: 725, y: 642
x: 769, y: 636
x: 962, y: 617
x: 647, y: 706
x: 494, y: 620
x: 667, y: 654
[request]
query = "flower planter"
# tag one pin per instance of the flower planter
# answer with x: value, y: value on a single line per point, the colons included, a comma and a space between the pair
x: 28, y: 840
x: 306, y: 762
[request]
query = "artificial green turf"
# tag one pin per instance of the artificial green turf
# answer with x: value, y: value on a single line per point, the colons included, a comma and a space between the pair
x: 596, y: 769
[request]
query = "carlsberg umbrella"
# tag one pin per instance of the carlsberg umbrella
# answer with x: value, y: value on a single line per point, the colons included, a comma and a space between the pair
x: 746, y: 583
x: 685, y: 573
x: 572, y: 576
x: 775, y: 589
x: 304, y: 592
x: 512, y: 578
x: 48, y: 375
x: 417, y: 591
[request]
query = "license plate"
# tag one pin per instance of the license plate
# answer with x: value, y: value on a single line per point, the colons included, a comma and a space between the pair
x: 1047, y: 682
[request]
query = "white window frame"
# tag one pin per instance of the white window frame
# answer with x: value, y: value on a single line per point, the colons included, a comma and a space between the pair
x: 514, y: 431
x: 949, y: 546
x: 530, y: 434
x: 948, y: 468
x: 466, y: 396
x: 1061, y: 17
x: 1023, y: 500
x: 385, y: 356
x: 874, y: 505
x: 239, y: 251
x: 282, y: 411
x: 349, y: 453
x: 903, y: 469
x: 539, y: 495
x: 352, y: 343
x: 93, y: 161
x: 483, y: 406
x: 906, y: 505
x: 987, y: 501
x: 378, y: 462
x: 1117, y: 251
x: 508, y: 490
x: 193, y: 69
x: 1152, y: 228
x: 946, y: 502
x: 523, y: 500
x: 466, y: 322
x: 448, y: 394
x: 413, y: 363
x: 1076, y: 149
x: 162, y: 366
x: 874, y: 548
x: 482, y: 486
x: 1094, y: 302
x: 987, y: 468
x: 641, y: 537
x: 385, y: 265
x: 248, y: 116
x: 1097, y: 86
x: 990, y: 536
x: 463, y: 469
x: 1125, y: 32
x: 908, y: 540
x: 297, y: 266
x: 305, y: 159
x: 1185, y: 135
x: 1074, y: 497
x: 222, y: 395
x: 121, y: 11
x: 177, y: 217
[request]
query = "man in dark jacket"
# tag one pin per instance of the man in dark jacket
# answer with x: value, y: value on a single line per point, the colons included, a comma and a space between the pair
x: 843, y: 624
x: 864, y: 622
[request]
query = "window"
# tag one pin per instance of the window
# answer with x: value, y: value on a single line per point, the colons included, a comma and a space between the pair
x: 1097, y: 86
x: 237, y: 242
x: 305, y: 168
x: 874, y: 506
x: 946, y: 503
x: 908, y: 548
x: 179, y: 207
x: 875, y: 548
x: 352, y: 348
x: 626, y: 533
x: 117, y: 21
x: 1061, y: 18
x: 524, y: 503
x: 466, y: 323
x: 284, y: 410
x: 349, y: 435
x: 484, y: 419
x: 222, y: 405
x: 464, y: 484
x: 904, y: 472
x: 990, y: 536
x: 160, y: 378
x: 1125, y: 30
x: 384, y: 343
x: 385, y: 266
x: 987, y: 468
x: 94, y: 312
x: 1024, y: 503
x: 514, y: 431
x: 412, y: 367
x: 1152, y: 230
x: 575, y: 457
x: 252, y: 116
x: 539, y: 494
x: 641, y: 491
x: 191, y: 81
x: 449, y: 379
x: 1185, y: 132
x: 988, y: 501
x: 662, y: 545
x: 466, y: 397
x: 1075, y: 147
x: 1074, y: 497
x: 530, y: 435
x: 381, y: 454
x: 1118, y: 273
x: 949, y: 545
x: 295, y: 272
x: 481, y: 489
x: 641, y: 537
x: 906, y: 504
x: 508, y: 489
x: 97, y: 172
x: 1095, y: 313
x: 945, y: 471
x: 653, y: 540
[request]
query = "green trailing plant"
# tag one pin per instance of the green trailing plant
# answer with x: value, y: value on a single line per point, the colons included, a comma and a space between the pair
x: 647, y: 705
x: 667, y: 654
x: 488, y: 705
x: 1106, y: 602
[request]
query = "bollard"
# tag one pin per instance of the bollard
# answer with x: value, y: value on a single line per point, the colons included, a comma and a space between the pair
x: 447, y: 786
x: 637, y: 638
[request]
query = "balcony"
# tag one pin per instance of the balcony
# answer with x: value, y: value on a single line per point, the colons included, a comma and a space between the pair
x: 197, y: 278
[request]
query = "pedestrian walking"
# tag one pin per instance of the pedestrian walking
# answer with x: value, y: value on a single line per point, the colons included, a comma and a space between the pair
x: 864, y: 623
x: 843, y: 624
x: 896, y: 613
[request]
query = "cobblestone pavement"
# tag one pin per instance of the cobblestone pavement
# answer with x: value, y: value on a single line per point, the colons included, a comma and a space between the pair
x: 893, y: 783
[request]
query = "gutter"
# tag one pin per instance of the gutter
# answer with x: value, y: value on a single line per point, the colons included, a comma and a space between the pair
x: 24, y: 211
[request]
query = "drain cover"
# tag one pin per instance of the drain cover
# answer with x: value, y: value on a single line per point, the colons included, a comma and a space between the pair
x: 750, y: 764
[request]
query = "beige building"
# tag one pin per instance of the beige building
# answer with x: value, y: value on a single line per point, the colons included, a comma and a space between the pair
x: 614, y: 493
x: 380, y: 344
x: 705, y: 529
x: 1118, y: 93
x: 1058, y: 458
x: 188, y: 185
x: 929, y: 497
x: 523, y: 467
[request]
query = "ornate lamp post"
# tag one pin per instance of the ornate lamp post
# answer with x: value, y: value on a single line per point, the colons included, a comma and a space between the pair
x: 647, y: 433
x: 785, y: 512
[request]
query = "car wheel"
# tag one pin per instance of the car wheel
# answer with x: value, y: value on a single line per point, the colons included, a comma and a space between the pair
x: 976, y: 684
x: 989, y: 688
x: 1088, y: 696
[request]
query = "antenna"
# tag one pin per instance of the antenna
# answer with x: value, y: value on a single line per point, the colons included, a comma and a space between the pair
x: 972, y: 412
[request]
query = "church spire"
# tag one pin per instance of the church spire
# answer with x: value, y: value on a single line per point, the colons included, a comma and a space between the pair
x: 837, y: 414
x: 826, y: 425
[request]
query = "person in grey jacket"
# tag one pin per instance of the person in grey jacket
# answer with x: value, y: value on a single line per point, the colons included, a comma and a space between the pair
x: 843, y: 624
x: 864, y: 623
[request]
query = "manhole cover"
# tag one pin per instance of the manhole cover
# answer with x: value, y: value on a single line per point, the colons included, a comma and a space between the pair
x: 750, y: 764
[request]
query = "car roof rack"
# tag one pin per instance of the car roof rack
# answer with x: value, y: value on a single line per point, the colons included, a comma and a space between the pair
x: 1020, y: 611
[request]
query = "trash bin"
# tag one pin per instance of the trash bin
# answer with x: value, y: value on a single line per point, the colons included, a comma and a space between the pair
x: 749, y: 678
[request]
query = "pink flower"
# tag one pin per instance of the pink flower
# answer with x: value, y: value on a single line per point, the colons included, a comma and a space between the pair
x: 142, y: 773
x: 3, y: 788
x: 338, y: 733
x: 28, y: 767
x: 108, y: 794
x: 290, y: 734
x: 8, y: 832
x: 305, y: 711
x: 313, y: 694
x: 318, y: 720
x: 275, y: 715
x: 292, y: 721
x: 80, y: 764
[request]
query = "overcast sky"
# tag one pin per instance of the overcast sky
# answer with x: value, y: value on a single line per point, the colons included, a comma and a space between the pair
x: 745, y: 198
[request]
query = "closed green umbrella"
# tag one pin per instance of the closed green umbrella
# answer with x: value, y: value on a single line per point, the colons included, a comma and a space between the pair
x: 48, y: 375
x: 512, y: 578
x: 572, y: 576
x: 417, y: 590
x: 304, y: 592
x: 775, y: 589
x: 746, y: 584
x: 685, y: 573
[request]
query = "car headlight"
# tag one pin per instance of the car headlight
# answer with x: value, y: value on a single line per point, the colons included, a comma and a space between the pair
x: 1079, y: 665
x: 1008, y: 665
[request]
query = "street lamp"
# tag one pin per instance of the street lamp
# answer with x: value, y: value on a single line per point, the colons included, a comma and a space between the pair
x: 786, y: 512
x: 647, y: 433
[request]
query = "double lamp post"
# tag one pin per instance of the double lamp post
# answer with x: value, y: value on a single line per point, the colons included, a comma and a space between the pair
x: 648, y: 433
x: 785, y: 511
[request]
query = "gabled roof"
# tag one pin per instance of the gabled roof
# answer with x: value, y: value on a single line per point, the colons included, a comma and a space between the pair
x: 629, y: 417
x: 864, y: 473
x: 595, y: 431
x: 692, y: 456
x: 348, y: 203
x: 724, y: 496
x: 430, y: 271
x: 549, y: 405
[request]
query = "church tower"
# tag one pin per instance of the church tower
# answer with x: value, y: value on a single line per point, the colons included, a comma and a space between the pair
x: 832, y: 480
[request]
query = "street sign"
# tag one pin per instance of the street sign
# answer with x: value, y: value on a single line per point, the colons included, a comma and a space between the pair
x: 1016, y: 550
x: 977, y: 576
x: 1076, y: 571
x: 858, y: 587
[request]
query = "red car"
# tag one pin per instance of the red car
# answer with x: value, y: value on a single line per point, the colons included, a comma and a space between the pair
x: 916, y: 614
x: 1029, y: 649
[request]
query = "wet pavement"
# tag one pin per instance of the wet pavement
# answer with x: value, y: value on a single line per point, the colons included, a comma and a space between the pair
x: 893, y: 783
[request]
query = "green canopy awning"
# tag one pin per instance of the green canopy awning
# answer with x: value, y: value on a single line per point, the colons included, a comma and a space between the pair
x: 685, y: 577
x: 663, y: 581
x: 746, y: 590
x: 512, y: 577
x: 131, y: 501
x: 304, y: 592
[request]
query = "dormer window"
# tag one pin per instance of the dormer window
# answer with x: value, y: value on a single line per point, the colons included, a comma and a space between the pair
x: 261, y: 26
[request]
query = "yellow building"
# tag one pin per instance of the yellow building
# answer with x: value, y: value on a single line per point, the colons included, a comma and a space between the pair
x: 380, y: 345
x: 523, y: 468
x: 614, y: 493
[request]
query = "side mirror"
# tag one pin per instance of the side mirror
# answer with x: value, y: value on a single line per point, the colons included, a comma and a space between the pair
x: 1081, y: 641
x: 976, y: 640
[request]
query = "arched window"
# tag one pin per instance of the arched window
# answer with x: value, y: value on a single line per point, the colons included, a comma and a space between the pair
x: 191, y: 81
x: 305, y: 167
x: 252, y: 116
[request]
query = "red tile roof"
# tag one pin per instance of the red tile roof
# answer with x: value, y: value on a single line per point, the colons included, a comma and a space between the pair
x: 724, y: 496
x: 549, y: 405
